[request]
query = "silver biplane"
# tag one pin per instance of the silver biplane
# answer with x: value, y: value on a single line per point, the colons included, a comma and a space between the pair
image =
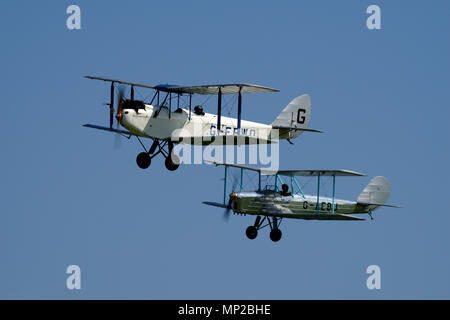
x: 271, y: 204
x: 157, y: 120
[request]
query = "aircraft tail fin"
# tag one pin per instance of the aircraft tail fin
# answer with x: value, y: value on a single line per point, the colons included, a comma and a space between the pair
x: 294, y: 118
x: 376, y: 193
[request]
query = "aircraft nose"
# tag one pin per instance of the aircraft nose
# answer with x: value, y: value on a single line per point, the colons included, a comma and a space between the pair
x: 123, y: 116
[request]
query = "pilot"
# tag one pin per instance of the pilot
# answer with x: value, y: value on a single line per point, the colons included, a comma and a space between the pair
x: 285, y: 190
x: 198, y: 110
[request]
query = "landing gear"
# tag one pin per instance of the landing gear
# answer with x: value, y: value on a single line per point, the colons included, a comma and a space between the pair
x: 275, y: 235
x: 251, y: 232
x: 143, y: 160
x: 172, y: 162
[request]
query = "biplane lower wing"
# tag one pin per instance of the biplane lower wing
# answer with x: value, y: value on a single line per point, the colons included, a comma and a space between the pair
x: 194, y: 140
x: 319, y: 216
x: 330, y: 217
x: 93, y: 126
x: 215, y: 204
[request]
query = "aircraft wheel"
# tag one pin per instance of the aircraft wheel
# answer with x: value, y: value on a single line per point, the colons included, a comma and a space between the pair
x: 143, y: 160
x: 172, y: 162
x: 275, y: 235
x: 251, y: 232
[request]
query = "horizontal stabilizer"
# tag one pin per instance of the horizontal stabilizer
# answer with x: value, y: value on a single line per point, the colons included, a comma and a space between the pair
x: 93, y: 126
x: 296, y: 129
x: 377, y: 204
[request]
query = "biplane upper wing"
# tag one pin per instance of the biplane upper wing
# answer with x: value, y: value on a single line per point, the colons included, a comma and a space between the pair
x: 233, y: 88
x: 245, y: 167
x: 135, y: 84
x: 292, y: 173
x: 322, y: 173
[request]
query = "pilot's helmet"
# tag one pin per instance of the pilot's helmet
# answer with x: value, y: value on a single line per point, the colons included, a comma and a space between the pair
x: 199, y: 110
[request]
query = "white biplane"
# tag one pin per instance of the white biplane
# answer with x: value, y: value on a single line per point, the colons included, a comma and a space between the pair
x: 156, y: 119
x: 274, y: 204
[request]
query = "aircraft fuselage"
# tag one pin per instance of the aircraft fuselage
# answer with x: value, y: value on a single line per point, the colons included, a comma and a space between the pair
x: 180, y: 127
x: 261, y: 202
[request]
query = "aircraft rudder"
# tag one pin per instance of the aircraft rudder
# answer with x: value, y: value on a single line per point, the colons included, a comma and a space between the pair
x: 296, y: 114
x: 377, y: 191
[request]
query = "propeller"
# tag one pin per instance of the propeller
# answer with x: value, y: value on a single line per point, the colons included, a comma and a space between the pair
x: 119, y: 115
x: 226, y: 214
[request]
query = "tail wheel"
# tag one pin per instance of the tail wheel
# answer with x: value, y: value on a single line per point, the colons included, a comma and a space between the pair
x: 251, y: 232
x: 275, y: 235
x: 143, y: 160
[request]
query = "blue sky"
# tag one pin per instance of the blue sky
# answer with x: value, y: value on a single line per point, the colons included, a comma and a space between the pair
x: 70, y: 197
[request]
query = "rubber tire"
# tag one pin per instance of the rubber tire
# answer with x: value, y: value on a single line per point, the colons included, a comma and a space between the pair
x: 275, y: 235
x: 251, y: 232
x: 143, y: 160
x: 170, y: 165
